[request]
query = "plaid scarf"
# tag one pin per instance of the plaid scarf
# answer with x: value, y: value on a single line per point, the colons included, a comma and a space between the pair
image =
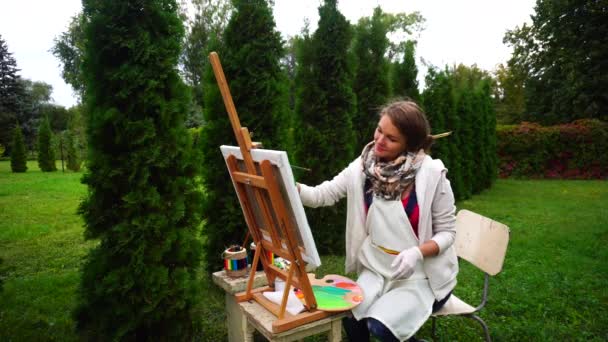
x: 390, y: 179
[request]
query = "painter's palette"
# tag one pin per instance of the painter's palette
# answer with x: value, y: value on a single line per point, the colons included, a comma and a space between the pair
x: 335, y: 292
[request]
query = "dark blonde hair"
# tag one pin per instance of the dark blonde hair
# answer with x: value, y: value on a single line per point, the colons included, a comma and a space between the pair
x: 411, y: 122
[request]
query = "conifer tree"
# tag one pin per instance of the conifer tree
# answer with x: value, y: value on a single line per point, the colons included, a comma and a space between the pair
x: 464, y: 112
x: 11, y: 92
x: 440, y: 106
x: 46, y: 152
x: 324, y: 106
x: 250, y: 52
x: 18, y: 152
x: 73, y: 162
x: 459, y: 100
x: 488, y: 125
x: 436, y: 101
x: 405, y: 73
x: 371, y: 85
x: 139, y: 282
x: 1, y: 275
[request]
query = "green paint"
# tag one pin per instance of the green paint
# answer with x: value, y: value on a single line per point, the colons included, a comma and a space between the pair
x: 329, y: 297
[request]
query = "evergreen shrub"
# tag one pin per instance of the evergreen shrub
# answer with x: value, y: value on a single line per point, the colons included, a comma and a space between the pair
x: 325, y: 103
x: 459, y: 100
x: 577, y: 150
x: 73, y: 162
x: 18, y: 152
x: 140, y: 281
x: 46, y: 150
x: 250, y: 53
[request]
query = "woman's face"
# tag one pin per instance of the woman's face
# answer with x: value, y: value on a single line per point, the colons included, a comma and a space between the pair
x: 389, y: 142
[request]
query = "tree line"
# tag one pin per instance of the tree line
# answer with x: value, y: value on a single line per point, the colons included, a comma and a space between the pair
x: 316, y: 95
x: 557, y: 72
x: 30, y: 122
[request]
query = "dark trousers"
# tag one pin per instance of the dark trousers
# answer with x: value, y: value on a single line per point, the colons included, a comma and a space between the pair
x: 359, y: 331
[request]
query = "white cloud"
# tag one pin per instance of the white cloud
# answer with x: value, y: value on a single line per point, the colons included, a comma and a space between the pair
x: 458, y: 31
x: 29, y: 27
x: 462, y: 31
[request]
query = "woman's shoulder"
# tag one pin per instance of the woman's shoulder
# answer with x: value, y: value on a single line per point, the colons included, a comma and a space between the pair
x: 356, y: 164
x: 432, y: 165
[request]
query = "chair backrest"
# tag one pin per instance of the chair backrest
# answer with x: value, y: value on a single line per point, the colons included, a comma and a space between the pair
x: 481, y: 241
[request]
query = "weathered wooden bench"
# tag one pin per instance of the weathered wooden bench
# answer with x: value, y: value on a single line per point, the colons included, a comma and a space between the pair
x: 244, y: 318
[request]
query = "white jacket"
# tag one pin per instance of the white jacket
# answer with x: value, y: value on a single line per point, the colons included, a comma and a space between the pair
x: 437, y: 217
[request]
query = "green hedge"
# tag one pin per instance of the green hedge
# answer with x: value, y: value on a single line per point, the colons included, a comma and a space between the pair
x: 578, y: 150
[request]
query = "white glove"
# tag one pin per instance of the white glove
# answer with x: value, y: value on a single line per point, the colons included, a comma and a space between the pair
x: 405, y: 262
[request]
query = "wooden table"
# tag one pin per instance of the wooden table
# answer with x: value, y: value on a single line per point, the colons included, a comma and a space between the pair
x: 235, y: 320
x: 246, y: 317
x: 260, y: 319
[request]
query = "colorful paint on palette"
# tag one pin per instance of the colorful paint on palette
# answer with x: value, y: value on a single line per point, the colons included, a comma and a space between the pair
x: 335, y: 293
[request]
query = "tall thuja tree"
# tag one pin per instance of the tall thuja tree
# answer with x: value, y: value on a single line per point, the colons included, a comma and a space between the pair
x: 440, y: 105
x: 464, y: 134
x: 477, y: 117
x: 139, y: 282
x: 324, y: 106
x: 18, y: 152
x: 454, y: 124
x: 371, y: 81
x: 437, y: 104
x: 73, y: 161
x: 46, y: 152
x: 459, y: 100
x: 405, y: 73
x: 488, y: 125
x: 11, y: 92
x: 251, y: 54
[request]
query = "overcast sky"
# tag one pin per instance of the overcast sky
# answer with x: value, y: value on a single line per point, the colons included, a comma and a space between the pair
x: 456, y: 31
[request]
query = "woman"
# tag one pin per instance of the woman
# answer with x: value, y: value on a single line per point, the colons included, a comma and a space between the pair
x: 400, y: 226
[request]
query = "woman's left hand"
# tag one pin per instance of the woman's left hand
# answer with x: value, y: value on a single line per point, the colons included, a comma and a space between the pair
x: 405, y: 262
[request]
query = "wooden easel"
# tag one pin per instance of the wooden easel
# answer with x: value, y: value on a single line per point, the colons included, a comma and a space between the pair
x: 276, y: 224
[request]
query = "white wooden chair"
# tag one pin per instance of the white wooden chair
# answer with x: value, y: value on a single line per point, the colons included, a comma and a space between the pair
x: 482, y: 242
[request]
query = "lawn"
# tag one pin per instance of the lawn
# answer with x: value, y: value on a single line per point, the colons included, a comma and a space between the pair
x: 553, y: 286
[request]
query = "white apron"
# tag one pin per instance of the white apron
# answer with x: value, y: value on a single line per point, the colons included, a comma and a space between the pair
x: 402, y: 305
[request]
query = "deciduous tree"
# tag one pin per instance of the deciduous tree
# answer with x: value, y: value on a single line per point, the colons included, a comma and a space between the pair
x: 209, y: 22
x: 68, y: 48
x: 563, y: 56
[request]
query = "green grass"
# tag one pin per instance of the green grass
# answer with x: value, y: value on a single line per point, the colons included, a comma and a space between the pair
x: 553, y: 285
x: 42, y: 246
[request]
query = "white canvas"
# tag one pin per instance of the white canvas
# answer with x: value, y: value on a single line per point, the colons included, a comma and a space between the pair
x: 288, y: 189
